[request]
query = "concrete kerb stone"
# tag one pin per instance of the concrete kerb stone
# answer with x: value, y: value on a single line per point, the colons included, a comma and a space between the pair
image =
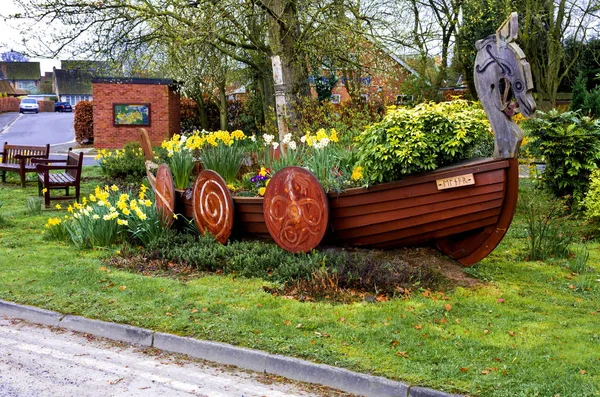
x: 425, y: 392
x: 221, y: 353
x: 120, y: 332
x: 338, y: 378
x: 254, y: 360
x: 30, y: 314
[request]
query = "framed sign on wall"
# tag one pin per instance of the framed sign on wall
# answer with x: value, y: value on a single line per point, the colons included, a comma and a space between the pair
x: 131, y: 114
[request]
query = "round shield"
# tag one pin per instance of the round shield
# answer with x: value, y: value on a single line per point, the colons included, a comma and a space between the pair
x: 296, y: 209
x: 164, y: 191
x: 213, y: 205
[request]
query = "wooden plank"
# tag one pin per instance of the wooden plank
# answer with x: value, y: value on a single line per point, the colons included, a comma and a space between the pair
x: 396, y: 238
x: 476, y: 167
x: 446, y: 231
x: 429, y: 187
x: 249, y: 217
x: 343, y: 212
x: 375, y: 219
x: 439, y: 216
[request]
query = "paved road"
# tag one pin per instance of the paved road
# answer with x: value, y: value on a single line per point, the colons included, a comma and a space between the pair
x: 37, y: 361
x: 38, y: 129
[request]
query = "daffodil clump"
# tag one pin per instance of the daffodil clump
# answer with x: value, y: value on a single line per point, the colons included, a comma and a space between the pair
x: 324, y: 158
x: 220, y: 151
x: 288, y: 153
x: 181, y: 159
x: 104, y: 215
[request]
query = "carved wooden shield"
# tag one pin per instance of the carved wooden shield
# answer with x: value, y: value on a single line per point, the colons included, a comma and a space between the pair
x: 164, y: 191
x: 213, y: 205
x: 296, y: 209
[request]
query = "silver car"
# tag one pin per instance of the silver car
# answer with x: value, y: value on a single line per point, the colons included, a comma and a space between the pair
x: 29, y: 105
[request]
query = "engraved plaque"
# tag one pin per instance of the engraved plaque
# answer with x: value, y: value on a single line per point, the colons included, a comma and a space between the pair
x: 455, y: 181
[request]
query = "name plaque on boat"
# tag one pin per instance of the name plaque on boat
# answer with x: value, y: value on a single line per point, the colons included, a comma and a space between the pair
x: 455, y: 181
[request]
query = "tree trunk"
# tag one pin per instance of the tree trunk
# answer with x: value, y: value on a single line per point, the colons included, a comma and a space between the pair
x: 284, y: 31
x: 202, y: 111
x: 222, y: 106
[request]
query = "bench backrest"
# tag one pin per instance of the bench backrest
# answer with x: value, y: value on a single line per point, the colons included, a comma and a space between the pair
x: 75, y: 159
x: 10, y: 152
x: 146, y: 144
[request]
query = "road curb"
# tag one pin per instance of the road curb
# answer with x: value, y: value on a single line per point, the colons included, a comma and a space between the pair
x: 115, y: 331
x: 254, y: 360
x: 30, y: 314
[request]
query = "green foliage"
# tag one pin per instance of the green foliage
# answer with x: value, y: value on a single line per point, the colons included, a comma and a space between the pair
x: 547, y: 236
x: 348, y: 119
x: 181, y: 163
x: 591, y: 202
x: 127, y: 164
x: 588, y: 102
x: 146, y: 229
x: 579, y: 263
x: 34, y: 205
x: 247, y: 259
x: 579, y: 93
x: 422, y: 138
x: 570, y: 146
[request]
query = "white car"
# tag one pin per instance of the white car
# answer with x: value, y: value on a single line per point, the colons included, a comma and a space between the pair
x: 29, y: 105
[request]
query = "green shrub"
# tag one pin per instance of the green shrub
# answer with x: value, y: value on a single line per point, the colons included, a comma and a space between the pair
x: 546, y: 235
x: 127, y: 164
x: 570, y: 146
x: 422, y: 138
x: 84, y: 122
x: 591, y: 202
x: 348, y: 119
x: 579, y: 93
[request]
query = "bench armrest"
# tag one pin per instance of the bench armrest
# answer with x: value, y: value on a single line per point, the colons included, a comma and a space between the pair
x: 43, y: 168
x: 40, y: 161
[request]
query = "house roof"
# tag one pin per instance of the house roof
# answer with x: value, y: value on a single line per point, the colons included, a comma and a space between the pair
x: 134, y: 80
x: 21, y: 70
x: 73, y: 81
x: 6, y: 87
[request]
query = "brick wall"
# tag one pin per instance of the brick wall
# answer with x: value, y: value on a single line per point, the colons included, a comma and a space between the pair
x: 9, y: 104
x: 164, y: 112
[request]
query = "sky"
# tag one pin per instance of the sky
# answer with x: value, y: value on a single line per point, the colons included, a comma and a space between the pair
x: 10, y: 39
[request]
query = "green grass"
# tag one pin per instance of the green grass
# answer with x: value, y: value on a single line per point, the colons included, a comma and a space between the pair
x: 528, y: 330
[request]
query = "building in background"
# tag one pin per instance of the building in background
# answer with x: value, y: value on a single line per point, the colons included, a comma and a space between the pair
x: 73, y: 85
x: 24, y: 77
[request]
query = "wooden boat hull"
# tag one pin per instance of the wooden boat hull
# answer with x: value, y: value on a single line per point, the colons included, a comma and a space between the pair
x: 465, y: 222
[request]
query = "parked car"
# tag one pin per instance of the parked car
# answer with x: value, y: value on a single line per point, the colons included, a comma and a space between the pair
x: 62, y: 107
x: 29, y: 105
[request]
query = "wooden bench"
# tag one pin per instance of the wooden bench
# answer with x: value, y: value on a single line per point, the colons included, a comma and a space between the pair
x: 17, y: 158
x: 69, y: 177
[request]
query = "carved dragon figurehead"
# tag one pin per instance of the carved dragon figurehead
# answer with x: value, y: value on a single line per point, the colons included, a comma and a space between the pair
x: 503, y: 81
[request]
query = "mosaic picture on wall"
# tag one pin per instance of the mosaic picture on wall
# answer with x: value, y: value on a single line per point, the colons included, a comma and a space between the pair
x: 131, y: 114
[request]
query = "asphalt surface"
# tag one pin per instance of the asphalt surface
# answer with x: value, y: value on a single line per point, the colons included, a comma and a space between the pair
x: 37, y: 361
x: 42, y: 128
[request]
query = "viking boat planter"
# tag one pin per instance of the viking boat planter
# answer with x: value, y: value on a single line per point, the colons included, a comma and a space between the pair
x: 464, y: 209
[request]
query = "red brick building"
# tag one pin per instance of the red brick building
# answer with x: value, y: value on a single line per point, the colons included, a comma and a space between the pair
x: 381, y: 78
x: 123, y: 105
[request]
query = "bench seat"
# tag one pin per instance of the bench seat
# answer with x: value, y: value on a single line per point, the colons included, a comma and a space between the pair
x: 17, y: 158
x: 59, y: 174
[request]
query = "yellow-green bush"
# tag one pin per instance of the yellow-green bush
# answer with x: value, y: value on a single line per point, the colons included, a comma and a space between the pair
x: 423, y: 138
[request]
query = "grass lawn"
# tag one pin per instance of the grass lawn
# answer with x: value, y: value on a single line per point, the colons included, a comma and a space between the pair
x: 527, y: 329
